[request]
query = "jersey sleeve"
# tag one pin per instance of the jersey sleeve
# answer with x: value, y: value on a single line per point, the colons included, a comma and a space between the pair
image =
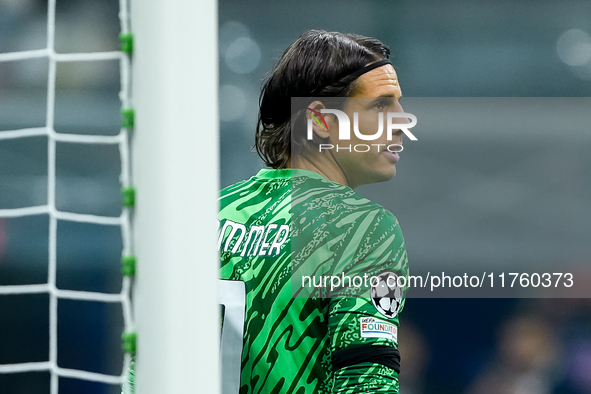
x: 363, y: 347
x: 363, y: 330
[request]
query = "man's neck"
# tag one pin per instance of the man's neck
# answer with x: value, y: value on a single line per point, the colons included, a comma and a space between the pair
x: 323, y: 165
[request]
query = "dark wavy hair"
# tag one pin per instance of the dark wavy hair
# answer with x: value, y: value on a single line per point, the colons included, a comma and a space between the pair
x: 317, y: 64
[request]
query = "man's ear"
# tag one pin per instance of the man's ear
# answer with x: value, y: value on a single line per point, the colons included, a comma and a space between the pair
x: 319, y: 123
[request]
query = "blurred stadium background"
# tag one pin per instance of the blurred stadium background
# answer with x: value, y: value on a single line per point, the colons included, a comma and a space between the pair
x: 460, y: 48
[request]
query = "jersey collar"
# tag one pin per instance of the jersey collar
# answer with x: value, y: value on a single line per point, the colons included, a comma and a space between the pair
x: 270, y: 173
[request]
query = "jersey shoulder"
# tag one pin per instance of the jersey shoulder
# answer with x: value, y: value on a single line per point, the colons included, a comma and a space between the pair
x: 336, y: 231
x: 316, y: 195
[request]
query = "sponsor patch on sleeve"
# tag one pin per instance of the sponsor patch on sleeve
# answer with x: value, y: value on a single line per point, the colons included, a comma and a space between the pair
x: 375, y: 328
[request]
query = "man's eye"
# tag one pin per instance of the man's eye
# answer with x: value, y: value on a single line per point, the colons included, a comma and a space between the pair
x: 379, y: 105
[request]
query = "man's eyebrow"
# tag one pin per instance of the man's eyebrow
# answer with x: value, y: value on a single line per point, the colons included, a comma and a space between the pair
x: 387, y: 95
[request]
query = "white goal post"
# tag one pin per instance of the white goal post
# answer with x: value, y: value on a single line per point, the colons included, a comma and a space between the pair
x: 176, y: 176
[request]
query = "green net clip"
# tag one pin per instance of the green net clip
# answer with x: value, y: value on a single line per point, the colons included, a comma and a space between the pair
x: 127, y: 118
x: 128, y: 342
x: 128, y: 265
x: 126, y: 42
x: 128, y: 194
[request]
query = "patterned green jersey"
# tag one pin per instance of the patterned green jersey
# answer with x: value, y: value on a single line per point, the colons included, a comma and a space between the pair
x: 281, y: 233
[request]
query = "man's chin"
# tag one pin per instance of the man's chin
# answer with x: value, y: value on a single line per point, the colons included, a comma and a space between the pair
x: 382, y: 177
x: 389, y: 175
x: 388, y: 178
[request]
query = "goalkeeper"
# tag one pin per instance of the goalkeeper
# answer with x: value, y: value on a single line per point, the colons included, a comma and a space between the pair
x: 291, y: 224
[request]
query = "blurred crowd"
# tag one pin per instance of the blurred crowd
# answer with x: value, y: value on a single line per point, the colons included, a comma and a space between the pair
x: 541, y: 346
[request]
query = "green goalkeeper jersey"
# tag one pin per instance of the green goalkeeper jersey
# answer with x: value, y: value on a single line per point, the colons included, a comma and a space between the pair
x: 290, y: 235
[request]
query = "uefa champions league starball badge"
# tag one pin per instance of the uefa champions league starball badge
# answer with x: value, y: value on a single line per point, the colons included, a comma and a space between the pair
x: 387, y: 295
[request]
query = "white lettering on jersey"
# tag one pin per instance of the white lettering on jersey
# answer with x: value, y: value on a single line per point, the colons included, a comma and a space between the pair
x: 283, y: 229
x: 265, y: 243
x: 258, y: 242
x: 235, y: 227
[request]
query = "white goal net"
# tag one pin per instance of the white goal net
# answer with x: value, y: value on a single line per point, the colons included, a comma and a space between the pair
x: 55, y: 215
